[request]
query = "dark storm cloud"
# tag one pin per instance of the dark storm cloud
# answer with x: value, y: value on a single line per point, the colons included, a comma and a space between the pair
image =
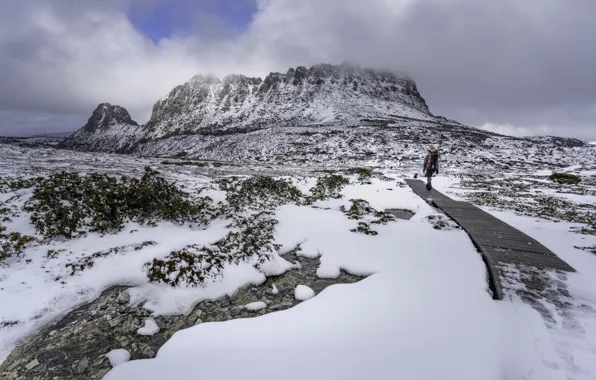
x: 517, y: 66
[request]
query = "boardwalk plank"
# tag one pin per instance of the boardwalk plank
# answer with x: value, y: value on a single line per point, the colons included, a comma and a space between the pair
x: 501, y: 245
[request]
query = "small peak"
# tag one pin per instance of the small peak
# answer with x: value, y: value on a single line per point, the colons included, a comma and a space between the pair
x: 106, y: 115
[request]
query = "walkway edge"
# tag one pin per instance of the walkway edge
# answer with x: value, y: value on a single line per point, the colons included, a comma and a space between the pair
x: 500, y: 245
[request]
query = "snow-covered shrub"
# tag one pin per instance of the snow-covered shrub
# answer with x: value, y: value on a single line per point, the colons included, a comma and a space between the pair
x: 361, y: 209
x: 251, y: 241
x: 12, y: 244
x: 258, y: 192
x: 364, y: 228
x: 327, y: 187
x: 565, y: 178
x: 88, y: 261
x: 68, y: 204
x: 11, y: 184
x: 364, y: 174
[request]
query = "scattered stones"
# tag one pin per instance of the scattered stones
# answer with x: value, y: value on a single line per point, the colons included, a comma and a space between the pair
x: 93, y: 330
x: 123, y: 298
x: 81, y: 366
x: 32, y: 364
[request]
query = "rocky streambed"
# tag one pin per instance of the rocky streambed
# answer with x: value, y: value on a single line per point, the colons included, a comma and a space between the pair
x: 76, y: 347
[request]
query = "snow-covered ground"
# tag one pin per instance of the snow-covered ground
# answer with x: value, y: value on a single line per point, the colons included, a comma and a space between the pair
x: 424, y: 312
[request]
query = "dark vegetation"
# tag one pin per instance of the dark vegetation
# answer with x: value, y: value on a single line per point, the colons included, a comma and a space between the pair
x: 564, y: 178
x: 532, y: 198
x: 70, y: 205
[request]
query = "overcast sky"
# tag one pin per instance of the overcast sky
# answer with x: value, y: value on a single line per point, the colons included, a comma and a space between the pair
x: 513, y: 66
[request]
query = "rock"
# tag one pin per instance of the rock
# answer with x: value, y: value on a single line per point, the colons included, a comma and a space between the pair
x: 81, y: 366
x: 84, y: 336
x: 32, y: 364
x: 234, y: 311
x: 113, y: 322
x: 123, y: 297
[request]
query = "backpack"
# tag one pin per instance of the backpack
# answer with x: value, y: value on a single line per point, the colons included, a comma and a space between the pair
x: 433, y: 159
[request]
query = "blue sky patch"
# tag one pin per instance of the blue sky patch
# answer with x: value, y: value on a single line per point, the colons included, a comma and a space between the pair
x: 165, y: 18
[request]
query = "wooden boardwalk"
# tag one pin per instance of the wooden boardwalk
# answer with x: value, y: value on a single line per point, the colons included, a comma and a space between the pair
x: 501, y: 245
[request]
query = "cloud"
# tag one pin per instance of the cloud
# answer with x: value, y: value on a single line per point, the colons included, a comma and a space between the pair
x: 482, y: 62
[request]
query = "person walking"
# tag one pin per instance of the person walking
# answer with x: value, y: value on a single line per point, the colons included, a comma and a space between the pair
x: 431, y: 165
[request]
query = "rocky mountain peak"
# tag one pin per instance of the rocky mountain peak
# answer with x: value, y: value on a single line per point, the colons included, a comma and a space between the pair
x: 344, y: 95
x: 107, y: 115
x: 320, y: 94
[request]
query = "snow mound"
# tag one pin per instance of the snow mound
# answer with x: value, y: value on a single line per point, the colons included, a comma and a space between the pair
x: 255, y: 306
x: 328, y: 271
x: 150, y: 328
x: 275, y: 290
x: 303, y: 293
x: 119, y: 356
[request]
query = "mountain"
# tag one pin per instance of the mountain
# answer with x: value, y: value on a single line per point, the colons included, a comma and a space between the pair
x: 206, y: 105
x: 109, y: 129
x: 321, y: 95
x: 328, y: 114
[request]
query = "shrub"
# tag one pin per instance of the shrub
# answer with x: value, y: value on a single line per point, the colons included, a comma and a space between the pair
x: 565, y: 178
x: 194, y: 265
x: 327, y: 187
x: 13, y: 244
x: 67, y: 204
x: 258, y: 192
x: 364, y: 174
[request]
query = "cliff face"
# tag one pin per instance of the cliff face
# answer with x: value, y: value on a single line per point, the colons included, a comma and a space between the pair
x: 323, y: 94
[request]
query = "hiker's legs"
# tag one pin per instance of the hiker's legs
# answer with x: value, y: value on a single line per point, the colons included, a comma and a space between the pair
x: 429, y: 183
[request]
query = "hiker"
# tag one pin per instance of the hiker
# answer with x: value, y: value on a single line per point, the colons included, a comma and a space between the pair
x: 431, y: 165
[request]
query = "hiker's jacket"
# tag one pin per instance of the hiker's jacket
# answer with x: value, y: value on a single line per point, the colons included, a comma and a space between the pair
x: 431, y: 162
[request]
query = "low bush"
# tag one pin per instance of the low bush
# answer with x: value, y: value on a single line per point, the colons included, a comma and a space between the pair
x: 565, y: 178
x: 68, y: 204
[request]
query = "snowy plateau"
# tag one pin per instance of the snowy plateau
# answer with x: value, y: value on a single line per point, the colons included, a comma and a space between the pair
x: 263, y: 229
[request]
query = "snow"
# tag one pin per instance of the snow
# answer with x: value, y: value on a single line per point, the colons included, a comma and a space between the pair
x: 574, y: 334
x: 256, y: 306
x: 423, y: 312
x: 117, y: 357
x: 303, y: 293
x: 150, y: 328
x: 274, y: 290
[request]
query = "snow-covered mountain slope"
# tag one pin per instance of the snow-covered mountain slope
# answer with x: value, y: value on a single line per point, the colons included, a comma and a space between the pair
x: 323, y: 115
x: 109, y: 129
x: 323, y: 94
x: 401, y: 144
